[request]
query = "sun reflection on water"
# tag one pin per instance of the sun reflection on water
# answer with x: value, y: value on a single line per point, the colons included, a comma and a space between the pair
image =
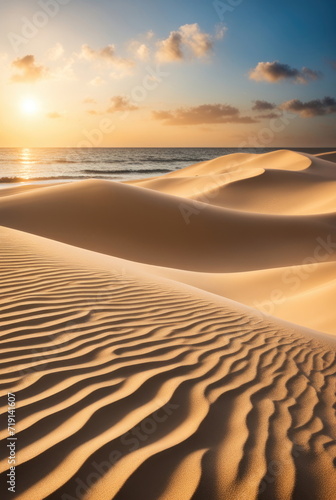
x: 26, y: 156
x: 26, y: 160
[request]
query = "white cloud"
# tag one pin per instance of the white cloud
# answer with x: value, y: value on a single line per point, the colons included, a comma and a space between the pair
x: 143, y: 52
x: 65, y: 72
x: 150, y: 34
x: 97, y: 81
x: 121, y: 103
x: 187, y: 41
x: 203, y: 114
x: 26, y: 70
x: 55, y: 52
x: 220, y: 31
x: 107, y: 55
x: 275, y: 71
x: 89, y: 100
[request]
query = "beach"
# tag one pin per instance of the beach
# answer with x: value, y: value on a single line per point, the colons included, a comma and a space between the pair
x: 173, y: 337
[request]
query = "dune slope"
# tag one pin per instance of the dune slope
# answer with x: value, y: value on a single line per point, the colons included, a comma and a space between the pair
x: 331, y: 156
x: 134, y: 387
x: 281, y: 182
x: 146, y: 226
x: 302, y: 294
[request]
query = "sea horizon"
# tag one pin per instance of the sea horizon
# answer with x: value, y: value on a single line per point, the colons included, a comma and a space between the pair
x: 52, y: 164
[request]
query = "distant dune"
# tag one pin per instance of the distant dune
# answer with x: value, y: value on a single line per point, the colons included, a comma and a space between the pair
x: 331, y: 156
x: 174, y: 338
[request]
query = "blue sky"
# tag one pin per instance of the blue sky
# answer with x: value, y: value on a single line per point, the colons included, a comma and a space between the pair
x: 290, y: 35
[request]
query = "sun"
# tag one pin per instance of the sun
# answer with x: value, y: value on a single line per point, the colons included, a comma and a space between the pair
x: 29, y: 106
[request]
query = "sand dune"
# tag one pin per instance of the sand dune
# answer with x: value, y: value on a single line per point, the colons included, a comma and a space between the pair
x: 154, y: 228
x: 21, y: 188
x: 328, y: 156
x: 302, y: 294
x: 281, y: 182
x: 131, y: 387
x: 268, y: 246
x: 139, y: 373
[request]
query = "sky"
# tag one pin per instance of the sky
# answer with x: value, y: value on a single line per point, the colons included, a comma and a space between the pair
x: 158, y: 73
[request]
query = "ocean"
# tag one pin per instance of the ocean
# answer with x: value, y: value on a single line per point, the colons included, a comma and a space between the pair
x: 47, y: 165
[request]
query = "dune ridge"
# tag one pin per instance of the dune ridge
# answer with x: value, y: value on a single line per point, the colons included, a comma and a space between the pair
x: 281, y: 182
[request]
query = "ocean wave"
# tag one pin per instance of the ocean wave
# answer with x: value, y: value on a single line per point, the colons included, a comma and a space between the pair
x: 128, y: 171
x: 9, y: 180
x: 100, y: 174
x: 81, y: 160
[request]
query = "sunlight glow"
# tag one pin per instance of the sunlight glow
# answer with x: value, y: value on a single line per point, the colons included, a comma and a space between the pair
x: 29, y: 106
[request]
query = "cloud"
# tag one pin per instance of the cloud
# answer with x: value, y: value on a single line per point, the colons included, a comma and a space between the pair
x: 97, y: 81
x: 263, y: 105
x: 187, y: 41
x: 108, y: 56
x: 275, y: 71
x: 143, y: 52
x: 54, y: 115
x: 203, y: 114
x: 27, y: 71
x: 89, y: 100
x: 140, y: 50
x: 150, y: 34
x: 171, y: 48
x: 65, y: 72
x: 269, y: 116
x: 122, y: 70
x: 200, y: 43
x: 220, y: 31
x: 93, y: 112
x: 55, y: 52
x: 121, y: 103
x: 316, y: 107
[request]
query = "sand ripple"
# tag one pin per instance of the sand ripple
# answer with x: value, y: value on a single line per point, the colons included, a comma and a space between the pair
x: 143, y: 389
